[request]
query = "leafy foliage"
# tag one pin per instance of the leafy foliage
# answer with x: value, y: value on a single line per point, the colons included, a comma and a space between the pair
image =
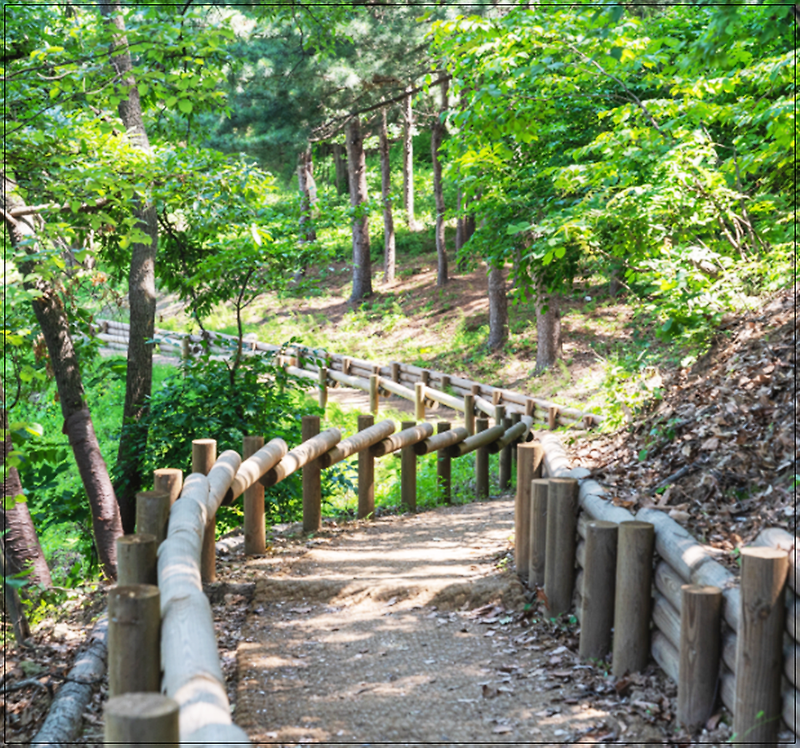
x: 603, y: 139
x: 199, y: 402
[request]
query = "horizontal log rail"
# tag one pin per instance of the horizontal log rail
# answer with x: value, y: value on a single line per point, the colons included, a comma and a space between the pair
x: 517, y: 432
x: 255, y: 466
x: 404, y: 438
x: 481, y: 439
x: 441, y: 441
x: 490, y: 409
x: 358, y: 383
x: 357, y: 443
x: 300, y: 373
x: 397, y: 389
x: 300, y: 456
x: 452, y: 402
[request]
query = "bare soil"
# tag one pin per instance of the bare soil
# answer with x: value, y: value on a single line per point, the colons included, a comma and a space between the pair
x: 414, y: 629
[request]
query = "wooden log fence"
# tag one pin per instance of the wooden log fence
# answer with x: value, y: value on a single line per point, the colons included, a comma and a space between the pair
x: 326, y: 369
x: 692, y: 645
x: 679, y: 565
x: 192, y: 677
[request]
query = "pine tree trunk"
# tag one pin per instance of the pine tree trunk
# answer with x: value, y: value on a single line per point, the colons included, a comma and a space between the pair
x: 389, y: 252
x: 78, y: 426
x: 548, y: 330
x: 22, y: 548
x: 437, y: 135
x: 357, y: 172
x: 141, y: 289
x: 308, y: 190
x: 408, y: 164
x: 341, y: 169
x: 498, y: 309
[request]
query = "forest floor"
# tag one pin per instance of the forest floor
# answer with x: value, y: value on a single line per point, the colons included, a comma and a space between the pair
x: 414, y: 629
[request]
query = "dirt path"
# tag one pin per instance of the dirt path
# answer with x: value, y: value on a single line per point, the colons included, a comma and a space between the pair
x: 406, y: 630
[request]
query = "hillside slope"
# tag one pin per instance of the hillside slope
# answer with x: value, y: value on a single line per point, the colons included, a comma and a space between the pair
x: 719, y: 451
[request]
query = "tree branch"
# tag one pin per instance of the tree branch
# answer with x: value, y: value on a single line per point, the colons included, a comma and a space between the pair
x: 324, y: 133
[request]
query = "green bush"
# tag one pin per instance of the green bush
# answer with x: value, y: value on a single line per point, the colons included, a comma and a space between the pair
x: 203, y: 400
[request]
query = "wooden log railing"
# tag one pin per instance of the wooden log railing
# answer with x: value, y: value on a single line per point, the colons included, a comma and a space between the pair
x: 395, y: 378
x: 192, y: 675
x: 685, y: 561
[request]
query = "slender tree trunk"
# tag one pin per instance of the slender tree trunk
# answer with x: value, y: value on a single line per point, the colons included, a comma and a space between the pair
x: 459, y: 221
x: 389, y: 253
x: 408, y: 164
x: 77, y: 420
x: 22, y: 548
x: 498, y: 308
x: 308, y: 190
x: 357, y: 171
x: 340, y: 165
x: 437, y: 135
x: 141, y: 288
x: 548, y: 329
x: 12, y: 605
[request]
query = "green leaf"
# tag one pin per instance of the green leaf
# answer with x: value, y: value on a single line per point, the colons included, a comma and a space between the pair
x: 185, y: 106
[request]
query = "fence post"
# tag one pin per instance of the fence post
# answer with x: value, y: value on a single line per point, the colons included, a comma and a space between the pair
x: 395, y: 371
x: 152, y: 514
x: 469, y: 414
x: 186, y: 348
x: 134, y: 639
x: 373, y: 394
x: 597, y: 595
x: 204, y: 455
x: 537, y: 548
x: 443, y: 466
x: 168, y: 480
x: 504, y: 460
x: 323, y: 387
x: 632, y: 597
x: 698, y: 669
x: 759, y: 644
x: 419, y: 401
x: 366, y: 474
x: 312, y: 481
x: 255, y: 532
x: 137, y: 562
x: 528, y: 468
x: 515, y: 419
x: 141, y: 719
x: 562, y: 520
x: 408, y: 472
x: 482, y: 462
x: 552, y: 417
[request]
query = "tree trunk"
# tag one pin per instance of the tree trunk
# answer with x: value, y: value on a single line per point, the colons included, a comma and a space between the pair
x: 548, y: 330
x: 389, y: 258
x: 308, y: 191
x: 408, y: 164
x: 340, y: 165
x: 498, y: 309
x: 12, y: 605
x: 77, y: 420
x: 22, y: 548
x: 459, y: 221
x: 141, y: 288
x: 357, y: 172
x: 437, y: 135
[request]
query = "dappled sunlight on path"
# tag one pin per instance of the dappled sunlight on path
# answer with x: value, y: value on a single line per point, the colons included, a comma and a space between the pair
x: 372, y: 636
